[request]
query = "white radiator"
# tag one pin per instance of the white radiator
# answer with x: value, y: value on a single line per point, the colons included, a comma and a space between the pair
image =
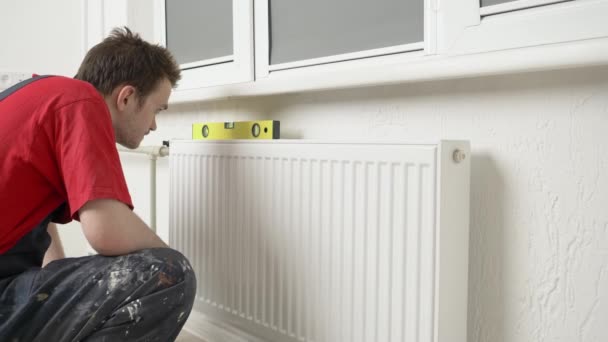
x: 325, y: 242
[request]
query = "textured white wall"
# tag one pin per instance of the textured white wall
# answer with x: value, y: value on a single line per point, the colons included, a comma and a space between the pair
x: 539, y: 217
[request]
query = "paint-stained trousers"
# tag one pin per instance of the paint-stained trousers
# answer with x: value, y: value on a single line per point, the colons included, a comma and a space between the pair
x: 143, y: 296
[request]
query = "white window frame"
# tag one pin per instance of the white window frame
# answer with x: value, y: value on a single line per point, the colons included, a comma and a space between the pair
x: 262, y: 44
x: 236, y: 68
x: 460, y: 40
x: 470, y: 29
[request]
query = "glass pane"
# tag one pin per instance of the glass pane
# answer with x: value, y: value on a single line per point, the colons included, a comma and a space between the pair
x: 317, y: 28
x: 199, y: 29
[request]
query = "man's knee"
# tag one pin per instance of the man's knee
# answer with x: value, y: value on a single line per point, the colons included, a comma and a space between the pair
x: 170, y: 267
x: 160, y: 298
x: 159, y: 269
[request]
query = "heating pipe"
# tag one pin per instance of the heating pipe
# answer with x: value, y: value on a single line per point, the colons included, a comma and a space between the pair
x: 153, y: 153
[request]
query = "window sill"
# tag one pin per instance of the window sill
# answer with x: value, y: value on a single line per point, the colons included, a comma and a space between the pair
x: 408, y: 68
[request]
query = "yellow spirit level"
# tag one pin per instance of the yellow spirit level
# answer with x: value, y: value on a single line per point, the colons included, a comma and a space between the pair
x: 265, y: 129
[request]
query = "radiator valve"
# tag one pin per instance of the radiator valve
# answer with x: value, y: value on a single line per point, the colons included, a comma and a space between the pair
x: 458, y: 155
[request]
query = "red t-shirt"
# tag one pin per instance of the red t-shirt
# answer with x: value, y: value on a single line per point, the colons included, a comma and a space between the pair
x: 57, y: 146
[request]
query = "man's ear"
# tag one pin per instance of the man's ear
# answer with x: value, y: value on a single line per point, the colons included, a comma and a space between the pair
x: 126, y: 97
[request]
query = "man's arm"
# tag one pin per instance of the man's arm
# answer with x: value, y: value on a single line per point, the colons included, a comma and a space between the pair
x: 113, y: 229
x: 55, y: 250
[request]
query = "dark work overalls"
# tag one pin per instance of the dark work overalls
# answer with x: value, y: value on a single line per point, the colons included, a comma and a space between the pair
x: 143, y: 296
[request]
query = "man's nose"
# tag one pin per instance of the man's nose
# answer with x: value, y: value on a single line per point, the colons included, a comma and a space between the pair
x: 153, y: 127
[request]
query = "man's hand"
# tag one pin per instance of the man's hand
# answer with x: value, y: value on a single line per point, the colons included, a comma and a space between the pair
x: 55, y: 251
x: 113, y: 229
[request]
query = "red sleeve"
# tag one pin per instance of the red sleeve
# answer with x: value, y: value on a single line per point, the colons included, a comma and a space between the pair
x: 86, y: 154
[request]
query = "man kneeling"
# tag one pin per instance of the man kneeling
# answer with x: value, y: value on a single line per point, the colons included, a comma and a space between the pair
x: 59, y: 162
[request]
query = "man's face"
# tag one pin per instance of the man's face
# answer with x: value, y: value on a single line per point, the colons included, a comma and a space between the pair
x: 137, y: 121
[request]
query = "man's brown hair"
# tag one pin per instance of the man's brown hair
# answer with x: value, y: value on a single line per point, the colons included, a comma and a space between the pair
x: 124, y: 58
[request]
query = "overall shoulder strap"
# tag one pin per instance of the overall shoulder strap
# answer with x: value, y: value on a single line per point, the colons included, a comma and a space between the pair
x: 4, y: 94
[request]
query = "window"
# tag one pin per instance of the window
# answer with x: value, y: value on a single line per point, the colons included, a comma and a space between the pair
x: 506, y: 25
x: 199, y: 33
x: 212, y: 40
x: 292, y: 33
x: 324, y: 28
x: 316, y: 44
